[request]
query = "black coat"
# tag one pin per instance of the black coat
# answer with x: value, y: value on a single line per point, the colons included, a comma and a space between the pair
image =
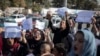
x: 59, y: 34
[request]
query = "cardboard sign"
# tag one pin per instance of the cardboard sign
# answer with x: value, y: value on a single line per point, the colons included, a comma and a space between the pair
x: 12, y: 32
x: 85, y: 16
x: 10, y: 24
x: 40, y: 25
x: 27, y: 24
x: 61, y: 11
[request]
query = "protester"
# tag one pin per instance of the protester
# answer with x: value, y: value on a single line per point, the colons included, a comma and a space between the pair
x: 59, y: 50
x: 96, y: 31
x: 11, y: 47
x: 34, y: 42
x: 65, y: 40
x: 46, y: 50
x: 60, y: 33
x: 84, y: 44
x: 96, y: 28
x: 48, y: 15
x: 14, y: 46
x: 70, y: 21
x: 47, y: 33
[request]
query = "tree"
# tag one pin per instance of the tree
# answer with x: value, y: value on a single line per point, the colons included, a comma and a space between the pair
x: 36, y: 7
x: 24, y: 3
x: 4, y: 4
x: 58, y: 3
x: 83, y: 4
x: 18, y: 3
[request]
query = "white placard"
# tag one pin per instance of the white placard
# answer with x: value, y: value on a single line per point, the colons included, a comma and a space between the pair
x: 12, y: 32
x: 40, y: 25
x: 85, y: 16
x: 10, y: 24
x: 61, y: 11
x: 27, y: 24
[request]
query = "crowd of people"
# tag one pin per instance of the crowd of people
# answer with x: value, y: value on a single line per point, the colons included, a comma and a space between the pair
x: 63, y: 41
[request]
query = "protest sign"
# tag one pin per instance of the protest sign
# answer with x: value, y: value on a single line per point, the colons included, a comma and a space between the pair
x: 85, y: 16
x: 27, y: 24
x: 61, y: 11
x: 40, y: 24
x: 10, y: 24
x: 12, y: 32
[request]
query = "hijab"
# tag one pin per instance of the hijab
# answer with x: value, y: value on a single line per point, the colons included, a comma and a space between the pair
x: 89, y: 45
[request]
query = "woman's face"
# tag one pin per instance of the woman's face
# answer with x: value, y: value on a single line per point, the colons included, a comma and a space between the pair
x: 63, y: 24
x: 78, y: 43
x: 37, y: 35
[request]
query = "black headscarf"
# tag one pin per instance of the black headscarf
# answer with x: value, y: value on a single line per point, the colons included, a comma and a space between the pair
x: 59, y: 34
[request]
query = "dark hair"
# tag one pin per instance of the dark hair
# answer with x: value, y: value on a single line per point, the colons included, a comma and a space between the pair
x: 67, y: 24
x: 42, y: 34
x: 60, y: 47
x: 80, y: 33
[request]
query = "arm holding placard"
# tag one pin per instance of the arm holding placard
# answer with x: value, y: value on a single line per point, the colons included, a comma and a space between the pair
x: 48, y: 37
x: 23, y: 39
x: 95, y: 30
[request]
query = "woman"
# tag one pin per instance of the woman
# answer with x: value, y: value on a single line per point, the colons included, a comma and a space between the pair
x: 11, y: 47
x: 96, y: 28
x: 14, y: 46
x: 35, y: 41
x: 60, y: 33
x: 84, y: 44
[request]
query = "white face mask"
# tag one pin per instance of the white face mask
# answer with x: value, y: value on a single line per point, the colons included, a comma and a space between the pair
x: 98, y: 33
x: 56, y: 21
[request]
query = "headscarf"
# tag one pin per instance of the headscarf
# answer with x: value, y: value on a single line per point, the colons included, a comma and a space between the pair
x: 89, y: 46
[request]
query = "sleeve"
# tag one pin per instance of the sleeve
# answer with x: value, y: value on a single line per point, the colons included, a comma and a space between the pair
x: 52, y: 28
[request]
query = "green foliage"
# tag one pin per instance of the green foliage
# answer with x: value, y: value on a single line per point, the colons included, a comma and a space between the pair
x: 83, y: 4
x: 25, y: 3
x: 77, y: 4
x: 4, y: 4
x: 58, y: 3
x: 36, y: 7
